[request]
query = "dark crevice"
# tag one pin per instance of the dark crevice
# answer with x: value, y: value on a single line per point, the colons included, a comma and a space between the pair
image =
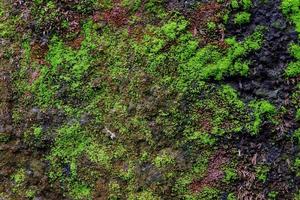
x: 266, y: 77
x: 266, y: 80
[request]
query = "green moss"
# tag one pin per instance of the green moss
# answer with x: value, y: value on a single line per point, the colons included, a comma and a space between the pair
x: 198, y: 171
x: 203, y: 138
x: 4, y: 138
x: 297, y: 196
x: 296, y: 135
x: 143, y: 196
x: 156, y: 7
x: 182, y: 183
x: 209, y: 194
x: 70, y: 142
x: 298, y: 115
x: 262, y: 172
x: 163, y: 160
x: 295, y: 50
x: 263, y: 110
x: 98, y: 154
x: 124, y: 94
x: 80, y: 191
x: 114, y: 190
x: 297, y: 166
x: 293, y: 68
x: 244, y: 4
x: 242, y: 18
x: 235, y: 4
x: 209, y: 62
x: 21, y: 184
x: 230, y: 175
x: 37, y: 131
x: 7, y: 22
x: 19, y: 176
x: 247, y: 4
x: 173, y: 28
x: 272, y: 195
x: 133, y: 5
x: 291, y: 9
x: 231, y: 196
x: 30, y: 194
x: 211, y: 26
x: 67, y: 68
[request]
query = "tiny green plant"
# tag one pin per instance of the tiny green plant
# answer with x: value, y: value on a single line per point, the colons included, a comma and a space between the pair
x: 297, y: 135
x: 211, y: 26
x: 297, y: 166
x: 37, y: 131
x: 231, y: 196
x: 273, y: 195
x: 19, y: 176
x: 230, y: 175
x: 209, y: 193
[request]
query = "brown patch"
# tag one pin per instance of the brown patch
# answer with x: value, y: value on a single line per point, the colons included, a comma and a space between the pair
x: 205, y: 13
x: 248, y: 177
x: 38, y: 53
x: 96, y: 16
x: 76, y: 43
x: 118, y: 16
x: 254, y: 159
x: 33, y: 76
x: 208, y: 12
x: 74, y: 22
x: 213, y: 174
x: 100, y: 189
x: 205, y: 120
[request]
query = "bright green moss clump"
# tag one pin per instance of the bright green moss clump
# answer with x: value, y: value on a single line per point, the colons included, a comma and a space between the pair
x: 263, y: 110
x: 242, y: 18
x: 211, y: 63
x: 293, y: 68
x: 291, y: 9
x: 262, y: 172
x: 244, y: 4
x: 67, y: 69
x: 209, y: 194
x: 163, y: 160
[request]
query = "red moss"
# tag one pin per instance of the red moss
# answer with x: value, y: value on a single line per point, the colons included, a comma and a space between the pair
x: 213, y: 174
x: 208, y: 12
x: 117, y: 16
x: 205, y: 120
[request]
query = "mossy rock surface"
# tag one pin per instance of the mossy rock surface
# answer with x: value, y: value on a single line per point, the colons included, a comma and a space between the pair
x: 149, y: 99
